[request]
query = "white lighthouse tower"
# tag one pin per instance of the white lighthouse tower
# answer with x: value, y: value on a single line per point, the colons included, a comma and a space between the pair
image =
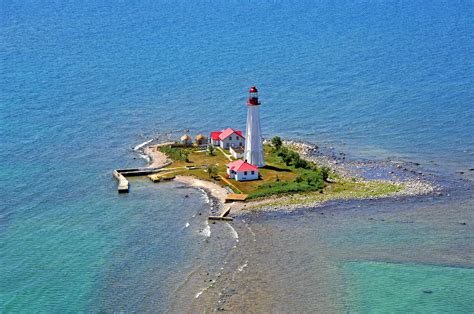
x: 253, y: 137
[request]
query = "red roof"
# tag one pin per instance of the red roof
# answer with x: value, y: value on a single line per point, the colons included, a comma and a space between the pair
x: 253, y: 89
x: 215, y: 135
x: 227, y: 132
x: 240, y: 165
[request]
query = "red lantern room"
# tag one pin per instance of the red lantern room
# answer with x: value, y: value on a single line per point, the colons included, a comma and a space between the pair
x: 253, y: 96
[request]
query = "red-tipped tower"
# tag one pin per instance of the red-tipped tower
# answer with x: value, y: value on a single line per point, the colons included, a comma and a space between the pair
x: 253, y: 97
x: 253, y: 139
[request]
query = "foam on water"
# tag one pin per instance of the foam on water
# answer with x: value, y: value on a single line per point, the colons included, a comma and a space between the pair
x: 146, y: 157
x: 142, y: 144
x: 234, y: 233
x: 206, y: 231
x: 241, y: 267
x: 205, y: 196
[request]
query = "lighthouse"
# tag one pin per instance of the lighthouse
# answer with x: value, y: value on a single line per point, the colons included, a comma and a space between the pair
x: 253, y: 141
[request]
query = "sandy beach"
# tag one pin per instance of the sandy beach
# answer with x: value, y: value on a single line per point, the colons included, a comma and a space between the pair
x: 157, y: 158
x: 214, y: 190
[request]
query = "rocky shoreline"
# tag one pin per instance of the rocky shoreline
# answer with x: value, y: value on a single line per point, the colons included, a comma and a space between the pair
x: 414, y: 182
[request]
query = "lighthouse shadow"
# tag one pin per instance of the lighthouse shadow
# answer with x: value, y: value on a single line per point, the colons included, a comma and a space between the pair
x: 273, y: 168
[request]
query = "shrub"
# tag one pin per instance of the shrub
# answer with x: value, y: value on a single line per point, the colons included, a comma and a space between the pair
x: 175, y: 153
x: 277, y: 142
x: 299, y: 179
x: 325, y: 173
x: 300, y: 163
x: 311, y: 178
x: 210, y: 150
x: 288, y: 156
x: 212, y: 171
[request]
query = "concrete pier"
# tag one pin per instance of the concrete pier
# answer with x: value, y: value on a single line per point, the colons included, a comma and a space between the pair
x: 122, y: 182
x: 121, y: 174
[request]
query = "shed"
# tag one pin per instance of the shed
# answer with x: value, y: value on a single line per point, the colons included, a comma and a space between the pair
x: 200, y: 140
x: 186, y: 140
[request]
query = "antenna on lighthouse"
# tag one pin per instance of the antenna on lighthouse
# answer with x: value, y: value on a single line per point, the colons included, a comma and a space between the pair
x: 253, y: 137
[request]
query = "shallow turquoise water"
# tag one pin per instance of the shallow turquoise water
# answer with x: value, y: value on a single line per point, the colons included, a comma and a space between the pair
x: 388, y: 288
x: 82, y: 83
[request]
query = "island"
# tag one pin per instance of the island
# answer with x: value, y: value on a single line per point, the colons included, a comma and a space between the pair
x: 248, y: 173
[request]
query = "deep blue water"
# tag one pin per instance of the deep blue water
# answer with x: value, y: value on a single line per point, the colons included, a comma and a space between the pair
x: 82, y: 82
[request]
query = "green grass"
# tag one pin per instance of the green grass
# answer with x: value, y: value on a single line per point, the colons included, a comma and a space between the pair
x: 176, y: 153
x: 302, y: 185
x: 336, y: 191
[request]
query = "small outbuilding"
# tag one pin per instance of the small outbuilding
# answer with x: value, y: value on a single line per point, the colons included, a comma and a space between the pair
x: 186, y: 140
x: 200, y: 140
x: 237, y: 152
x: 242, y: 171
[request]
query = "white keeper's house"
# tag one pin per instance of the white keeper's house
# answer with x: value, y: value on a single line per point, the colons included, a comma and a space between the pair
x: 228, y: 138
x: 242, y: 171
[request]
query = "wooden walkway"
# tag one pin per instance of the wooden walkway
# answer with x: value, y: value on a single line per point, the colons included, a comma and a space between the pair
x: 236, y: 198
x: 223, y: 216
x: 230, y: 184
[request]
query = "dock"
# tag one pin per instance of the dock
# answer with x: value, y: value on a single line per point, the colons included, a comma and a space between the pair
x: 121, y: 174
x: 223, y: 216
x: 220, y: 218
x: 122, y: 182
x: 236, y: 198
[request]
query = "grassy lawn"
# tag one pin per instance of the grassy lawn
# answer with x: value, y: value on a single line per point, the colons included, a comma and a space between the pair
x: 338, y: 191
x: 275, y: 171
x: 275, y: 178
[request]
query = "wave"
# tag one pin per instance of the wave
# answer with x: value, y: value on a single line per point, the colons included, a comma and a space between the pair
x: 252, y: 233
x: 234, y: 233
x: 241, y: 267
x: 201, y: 292
x: 206, y: 231
x: 142, y: 144
x: 205, y: 196
x: 146, y: 157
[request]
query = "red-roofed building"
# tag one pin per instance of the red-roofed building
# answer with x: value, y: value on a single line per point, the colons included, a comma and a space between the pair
x: 242, y: 171
x: 228, y: 138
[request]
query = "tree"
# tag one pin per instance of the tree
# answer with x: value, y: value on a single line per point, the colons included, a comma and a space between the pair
x: 277, y: 142
x: 210, y: 150
x: 325, y: 173
x: 184, y: 155
x: 300, y: 163
x: 212, y: 171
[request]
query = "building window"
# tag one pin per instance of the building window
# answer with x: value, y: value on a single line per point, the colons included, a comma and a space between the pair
x: 241, y: 144
x: 230, y: 138
x: 245, y: 173
x: 253, y: 172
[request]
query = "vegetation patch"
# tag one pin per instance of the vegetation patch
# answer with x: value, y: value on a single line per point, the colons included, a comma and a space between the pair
x: 176, y: 153
x: 286, y: 173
